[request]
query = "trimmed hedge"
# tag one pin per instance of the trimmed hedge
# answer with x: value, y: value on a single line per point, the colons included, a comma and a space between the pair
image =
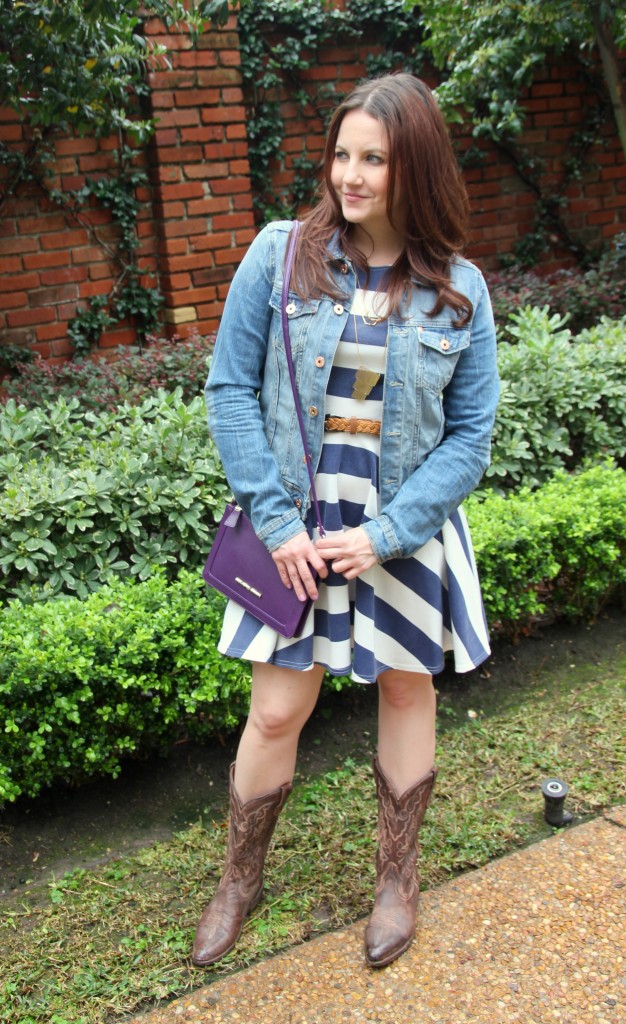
x: 84, y: 684
x: 130, y: 376
x: 559, y: 550
x: 584, y: 296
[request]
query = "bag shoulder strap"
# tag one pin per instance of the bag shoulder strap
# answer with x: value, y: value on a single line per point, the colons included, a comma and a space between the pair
x: 291, y: 248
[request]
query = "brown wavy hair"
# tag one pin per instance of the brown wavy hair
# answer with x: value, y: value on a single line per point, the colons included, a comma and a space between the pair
x: 422, y: 166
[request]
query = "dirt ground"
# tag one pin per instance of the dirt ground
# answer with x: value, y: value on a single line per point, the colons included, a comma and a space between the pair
x: 70, y: 828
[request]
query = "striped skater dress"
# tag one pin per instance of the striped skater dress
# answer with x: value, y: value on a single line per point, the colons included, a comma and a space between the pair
x: 404, y: 614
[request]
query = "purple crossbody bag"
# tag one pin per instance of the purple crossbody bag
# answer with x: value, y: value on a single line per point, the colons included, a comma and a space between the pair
x: 239, y: 565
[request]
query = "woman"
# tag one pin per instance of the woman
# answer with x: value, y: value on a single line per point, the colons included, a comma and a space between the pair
x: 394, y: 345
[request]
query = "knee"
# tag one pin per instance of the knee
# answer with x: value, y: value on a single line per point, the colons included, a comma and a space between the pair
x: 282, y: 700
x: 403, y: 690
x: 273, y: 721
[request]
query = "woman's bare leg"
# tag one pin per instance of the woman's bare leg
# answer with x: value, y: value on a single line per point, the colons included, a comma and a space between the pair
x: 406, y: 726
x: 282, y: 700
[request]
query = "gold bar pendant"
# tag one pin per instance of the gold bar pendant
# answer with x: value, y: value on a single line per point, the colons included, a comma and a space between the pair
x: 364, y: 382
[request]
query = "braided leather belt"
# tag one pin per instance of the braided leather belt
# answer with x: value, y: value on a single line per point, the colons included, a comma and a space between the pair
x: 352, y: 425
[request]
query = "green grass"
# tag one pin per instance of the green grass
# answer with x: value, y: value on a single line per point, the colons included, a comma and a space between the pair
x: 114, y: 940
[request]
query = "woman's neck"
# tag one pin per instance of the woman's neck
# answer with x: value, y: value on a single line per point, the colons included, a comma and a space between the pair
x: 381, y: 249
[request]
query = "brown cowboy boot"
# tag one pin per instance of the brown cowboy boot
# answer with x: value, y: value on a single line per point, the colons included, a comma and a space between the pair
x: 391, y: 927
x: 250, y: 829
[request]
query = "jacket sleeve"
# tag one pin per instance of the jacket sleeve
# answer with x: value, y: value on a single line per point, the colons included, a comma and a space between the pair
x: 455, y: 467
x: 231, y: 394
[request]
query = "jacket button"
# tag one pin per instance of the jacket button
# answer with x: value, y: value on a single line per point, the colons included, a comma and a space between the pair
x: 298, y: 502
x: 445, y: 344
x: 313, y: 411
x: 290, y: 309
x: 338, y: 309
x: 319, y: 361
x: 344, y: 268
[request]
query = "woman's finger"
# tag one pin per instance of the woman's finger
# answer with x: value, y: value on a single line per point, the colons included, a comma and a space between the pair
x: 350, y: 553
x: 294, y: 560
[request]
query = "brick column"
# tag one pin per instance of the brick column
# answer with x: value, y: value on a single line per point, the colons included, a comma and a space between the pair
x: 203, y: 202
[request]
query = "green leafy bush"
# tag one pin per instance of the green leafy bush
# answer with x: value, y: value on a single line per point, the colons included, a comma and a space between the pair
x: 563, y: 398
x: 131, y: 377
x: 582, y: 295
x: 87, y: 494
x: 83, y: 496
x: 84, y: 684
x: 559, y: 550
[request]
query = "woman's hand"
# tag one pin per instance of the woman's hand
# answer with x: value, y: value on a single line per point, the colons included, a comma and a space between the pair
x: 293, y: 560
x: 350, y: 552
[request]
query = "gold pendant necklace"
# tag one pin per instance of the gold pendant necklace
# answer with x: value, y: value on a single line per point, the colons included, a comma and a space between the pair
x: 364, y: 380
x: 364, y: 383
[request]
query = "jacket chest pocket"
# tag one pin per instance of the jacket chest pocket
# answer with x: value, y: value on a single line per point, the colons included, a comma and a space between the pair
x: 440, y: 348
x: 300, y: 316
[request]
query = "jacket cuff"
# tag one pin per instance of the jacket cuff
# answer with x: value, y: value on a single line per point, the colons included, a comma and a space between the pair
x: 278, y: 531
x: 383, y: 539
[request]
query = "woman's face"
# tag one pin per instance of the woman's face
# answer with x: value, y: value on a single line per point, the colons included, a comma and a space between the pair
x: 360, y: 172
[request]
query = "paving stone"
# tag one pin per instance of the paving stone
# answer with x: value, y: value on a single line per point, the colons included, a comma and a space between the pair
x: 538, y: 937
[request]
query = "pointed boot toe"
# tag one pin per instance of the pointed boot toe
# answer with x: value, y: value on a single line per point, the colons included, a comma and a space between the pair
x: 220, y: 925
x: 383, y: 945
x: 391, y: 928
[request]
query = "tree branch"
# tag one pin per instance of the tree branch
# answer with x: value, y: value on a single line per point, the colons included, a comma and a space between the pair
x: 608, y: 54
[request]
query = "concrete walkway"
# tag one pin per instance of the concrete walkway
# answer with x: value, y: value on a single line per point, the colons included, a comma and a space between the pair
x: 538, y: 937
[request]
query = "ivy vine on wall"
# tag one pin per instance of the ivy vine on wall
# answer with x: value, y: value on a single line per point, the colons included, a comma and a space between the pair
x: 129, y: 297
x: 279, y: 40
x: 79, y: 68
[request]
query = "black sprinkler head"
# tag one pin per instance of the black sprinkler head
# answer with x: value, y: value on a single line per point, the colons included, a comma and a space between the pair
x: 554, y: 793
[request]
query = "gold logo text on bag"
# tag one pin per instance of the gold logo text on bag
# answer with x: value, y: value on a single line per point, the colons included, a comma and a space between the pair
x: 248, y: 587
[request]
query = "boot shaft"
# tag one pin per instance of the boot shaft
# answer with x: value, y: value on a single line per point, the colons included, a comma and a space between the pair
x: 399, y: 822
x: 251, y: 825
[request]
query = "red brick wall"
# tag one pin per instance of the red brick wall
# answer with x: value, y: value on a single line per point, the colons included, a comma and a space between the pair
x: 195, y: 221
x: 199, y: 158
x: 53, y: 262
x: 502, y: 204
x: 196, y: 218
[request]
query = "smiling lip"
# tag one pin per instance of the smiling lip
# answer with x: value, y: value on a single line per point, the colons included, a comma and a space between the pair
x: 351, y: 197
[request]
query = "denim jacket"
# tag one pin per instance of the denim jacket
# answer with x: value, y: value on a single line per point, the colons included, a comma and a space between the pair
x: 439, y: 399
